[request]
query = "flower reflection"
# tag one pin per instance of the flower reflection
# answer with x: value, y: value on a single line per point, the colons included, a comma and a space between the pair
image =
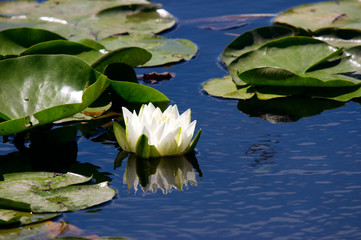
x: 161, y: 173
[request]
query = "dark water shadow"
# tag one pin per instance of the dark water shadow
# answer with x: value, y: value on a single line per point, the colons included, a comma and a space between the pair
x: 289, y: 109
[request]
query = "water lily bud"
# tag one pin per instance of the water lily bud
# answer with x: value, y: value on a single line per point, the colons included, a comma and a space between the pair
x: 153, y: 133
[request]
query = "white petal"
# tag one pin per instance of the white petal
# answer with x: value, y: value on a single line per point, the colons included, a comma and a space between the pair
x: 127, y: 115
x: 168, y: 145
x: 168, y: 110
x: 185, y: 118
x: 187, y: 135
x: 133, y: 131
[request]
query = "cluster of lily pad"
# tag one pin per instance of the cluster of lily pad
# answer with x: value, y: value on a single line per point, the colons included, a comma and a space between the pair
x: 283, y: 60
x: 64, y: 61
x: 60, y: 78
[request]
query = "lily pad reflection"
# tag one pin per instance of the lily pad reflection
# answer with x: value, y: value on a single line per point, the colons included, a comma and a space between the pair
x: 289, y: 109
x: 161, y: 173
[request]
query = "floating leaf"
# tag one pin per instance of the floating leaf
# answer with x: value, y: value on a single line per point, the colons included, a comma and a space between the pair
x: 333, y: 14
x: 135, y: 18
x: 226, y: 88
x: 139, y: 94
x: 163, y: 50
x: 253, y: 39
x: 51, y: 192
x: 295, y: 61
x: 336, y: 37
x: 88, y: 54
x: 132, y: 56
x: 99, y: 59
x: 47, y: 88
x: 42, y: 230
x: 14, y: 41
x: 87, y: 19
x: 8, y: 217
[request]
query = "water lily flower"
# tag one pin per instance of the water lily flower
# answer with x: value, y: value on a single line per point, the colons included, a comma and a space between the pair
x: 153, y: 133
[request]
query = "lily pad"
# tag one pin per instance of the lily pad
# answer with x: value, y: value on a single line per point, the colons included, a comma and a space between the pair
x: 43, y: 230
x: 98, y: 58
x: 88, y: 54
x: 334, y: 14
x: 295, y: 61
x: 87, y: 19
x: 14, y: 41
x: 8, y: 217
x: 51, y: 192
x: 139, y: 94
x: 163, y: 50
x: 226, y: 88
x: 253, y: 39
x: 337, y: 37
x: 47, y: 88
x: 132, y: 56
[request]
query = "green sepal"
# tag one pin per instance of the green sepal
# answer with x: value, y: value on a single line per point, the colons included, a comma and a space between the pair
x: 120, y: 136
x: 194, y: 142
x: 154, y: 152
x: 142, y: 148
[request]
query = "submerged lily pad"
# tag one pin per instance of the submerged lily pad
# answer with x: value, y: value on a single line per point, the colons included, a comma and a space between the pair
x: 47, y: 88
x: 334, y: 14
x: 163, y: 50
x: 44, y: 230
x: 51, y: 192
x: 8, y: 217
x: 87, y: 19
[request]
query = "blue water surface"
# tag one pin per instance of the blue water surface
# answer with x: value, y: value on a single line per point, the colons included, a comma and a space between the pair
x: 260, y: 180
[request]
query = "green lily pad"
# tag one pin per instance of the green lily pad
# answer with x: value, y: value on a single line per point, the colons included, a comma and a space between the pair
x: 14, y: 41
x: 88, y: 54
x: 51, y: 192
x: 87, y: 19
x: 333, y: 14
x: 226, y: 88
x: 132, y: 56
x: 253, y: 39
x: 98, y: 58
x: 8, y: 217
x: 47, y: 88
x: 295, y: 61
x: 43, y: 230
x: 337, y: 37
x: 135, y: 18
x: 163, y: 50
x: 139, y: 94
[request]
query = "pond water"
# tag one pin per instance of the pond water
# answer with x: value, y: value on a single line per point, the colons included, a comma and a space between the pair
x: 256, y: 179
